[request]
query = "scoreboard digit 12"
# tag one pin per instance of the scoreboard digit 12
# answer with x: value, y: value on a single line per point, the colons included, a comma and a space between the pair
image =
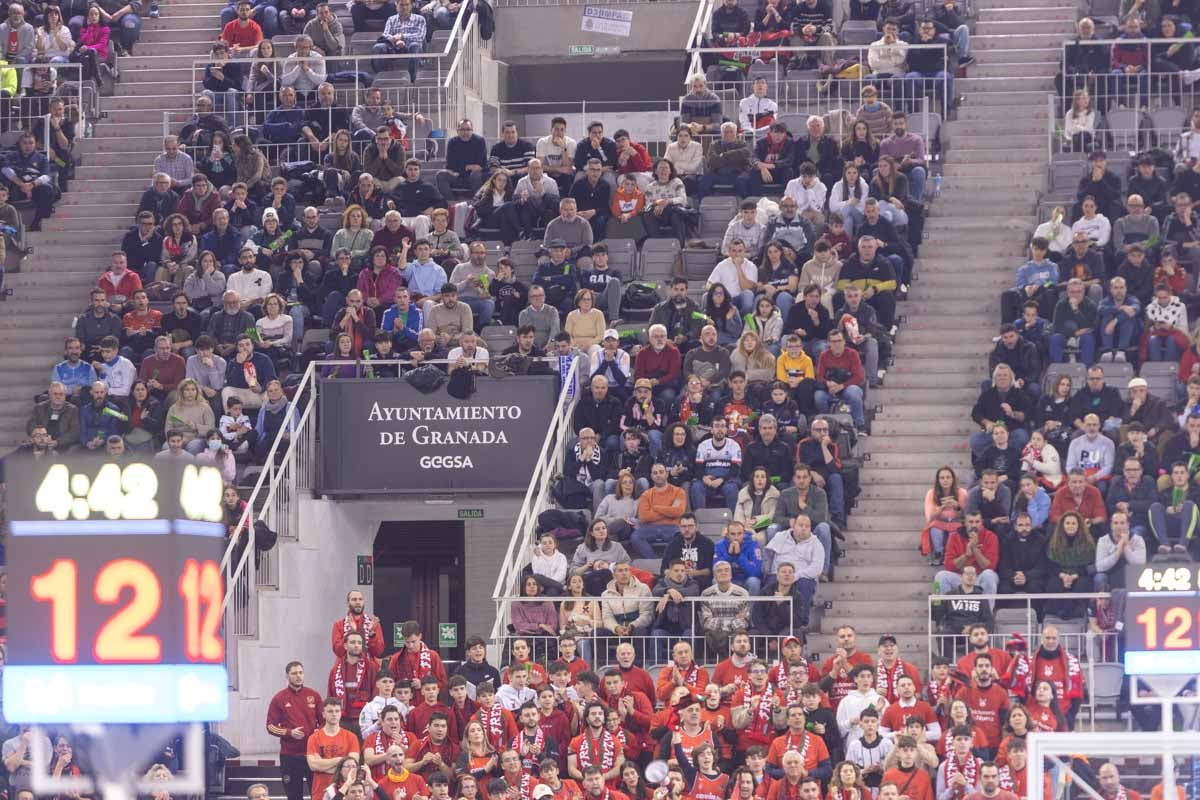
x: 114, y: 594
x: 1162, y: 619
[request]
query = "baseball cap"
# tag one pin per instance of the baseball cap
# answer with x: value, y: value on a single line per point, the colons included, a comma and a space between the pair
x: 643, y: 383
x: 1136, y: 383
x: 611, y: 333
x: 542, y: 790
x: 790, y: 640
x: 556, y: 243
x: 887, y: 638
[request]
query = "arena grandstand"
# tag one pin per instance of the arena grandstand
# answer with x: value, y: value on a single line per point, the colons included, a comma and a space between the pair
x: 614, y: 399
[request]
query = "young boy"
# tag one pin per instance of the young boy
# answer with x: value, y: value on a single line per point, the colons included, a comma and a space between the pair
x: 835, y: 234
x: 566, y: 655
x: 1033, y: 327
x: 821, y: 721
x: 870, y: 750
x: 384, y: 353
x: 787, y: 414
x: 509, y: 292
x: 447, y: 248
x: 236, y: 428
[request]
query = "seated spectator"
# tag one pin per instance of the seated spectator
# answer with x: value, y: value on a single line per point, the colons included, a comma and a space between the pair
x: 627, y: 607
x: 1081, y: 497
x: 876, y: 113
x: 1042, y: 460
x: 140, y: 326
x: 592, y: 199
x: 1102, y: 185
x: 1085, y: 263
x: 1036, y: 280
x: 700, y: 109
x: 190, y: 417
x: 773, y: 162
x: 674, y: 617
x: 1023, y: 565
x: 585, y: 323
x: 325, y: 32
x: 595, y: 557
x: 1032, y: 500
x: 179, y: 248
x: 659, y: 511
x: 1072, y: 555
x: 956, y: 616
x: 162, y: 370
x: 100, y: 418
x: 207, y: 369
x: 530, y: 618
x: 1074, y: 325
x: 686, y: 157
x: 794, y: 553
x: 1116, y: 550
x: 728, y: 160
x: 1092, y: 453
x: 1140, y: 227
x: 1001, y: 456
x: 73, y: 372
x: 718, y: 461
x: 1003, y: 403
x: 974, y: 546
x: 276, y: 418
x: 274, y: 328
x: 1079, y: 124
x: 1150, y: 188
x: 840, y: 375
x: 944, y: 508
x: 118, y: 284
x: 1024, y: 363
x: 1167, y: 331
x: 750, y: 355
x: 246, y: 374
x: 741, y: 551
x: 727, y: 322
x: 1173, y: 517
x: 556, y: 152
x: 58, y: 418
x: 661, y: 363
x: 1119, y: 321
x: 709, y: 362
x: 992, y: 500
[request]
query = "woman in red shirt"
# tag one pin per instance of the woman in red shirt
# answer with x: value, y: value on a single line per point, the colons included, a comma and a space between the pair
x: 960, y: 715
x: 1044, y: 714
x: 1016, y: 727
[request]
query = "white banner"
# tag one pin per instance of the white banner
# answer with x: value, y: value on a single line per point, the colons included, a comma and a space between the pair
x: 615, y: 22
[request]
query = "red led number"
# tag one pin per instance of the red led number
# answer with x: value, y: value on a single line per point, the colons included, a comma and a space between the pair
x: 200, y: 588
x: 1179, y: 622
x: 131, y: 582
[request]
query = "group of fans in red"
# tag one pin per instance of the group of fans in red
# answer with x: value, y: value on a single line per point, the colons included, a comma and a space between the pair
x: 859, y: 726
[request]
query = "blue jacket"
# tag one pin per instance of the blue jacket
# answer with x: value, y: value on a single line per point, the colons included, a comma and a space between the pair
x: 1038, y: 509
x: 235, y: 375
x: 94, y: 423
x: 550, y: 274
x: 82, y: 374
x: 225, y: 248
x: 1109, y: 308
x: 1032, y: 272
x: 1140, y: 498
x: 747, y: 564
x: 412, y: 325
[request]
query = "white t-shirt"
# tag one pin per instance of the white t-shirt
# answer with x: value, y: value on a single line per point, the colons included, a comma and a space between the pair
x: 481, y: 355
x: 253, y: 285
x: 726, y: 274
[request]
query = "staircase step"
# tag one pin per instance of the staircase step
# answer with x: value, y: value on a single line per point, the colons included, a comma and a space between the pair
x: 1019, y: 25
x: 871, y: 627
x: 1028, y: 14
x: 1024, y: 55
x: 1015, y: 69
x: 1017, y: 41
x: 1012, y: 83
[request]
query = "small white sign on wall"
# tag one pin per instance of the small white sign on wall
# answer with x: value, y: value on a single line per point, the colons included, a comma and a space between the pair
x: 598, y: 19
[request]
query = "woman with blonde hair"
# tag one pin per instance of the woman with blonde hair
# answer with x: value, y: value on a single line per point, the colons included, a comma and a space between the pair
x: 1079, y: 125
x: 585, y: 323
x: 355, y: 234
x: 191, y: 415
x: 752, y: 357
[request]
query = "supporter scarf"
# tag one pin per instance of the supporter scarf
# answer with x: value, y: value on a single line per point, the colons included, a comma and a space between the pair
x: 969, y: 771
x: 524, y: 785
x: 339, y: 678
x: 885, y: 679
x: 691, y: 676
x: 936, y: 691
x: 760, y: 721
x: 779, y: 673
x: 607, y: 753
x: 802, y: 749
x: 349, y: 627
x: 539, y: 742
x: 1007, y: 782
x: 424, y: 661
x: 493, y: 722
x: 383, y: 742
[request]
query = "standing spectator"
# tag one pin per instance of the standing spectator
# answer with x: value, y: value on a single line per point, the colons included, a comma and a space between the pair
x: 293, y: 717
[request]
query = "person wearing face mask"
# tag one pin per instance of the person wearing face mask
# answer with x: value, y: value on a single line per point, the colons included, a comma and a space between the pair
x: 217, y: 454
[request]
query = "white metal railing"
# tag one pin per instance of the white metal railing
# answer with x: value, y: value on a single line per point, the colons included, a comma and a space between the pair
x: 288, y: 468
x: 1124, y: 104
x: 33, y: 86
x: 826, y: 89
x: 599, y: 645
x: 699, y: 25
x: 537, y: 498
x: 1090, y: 647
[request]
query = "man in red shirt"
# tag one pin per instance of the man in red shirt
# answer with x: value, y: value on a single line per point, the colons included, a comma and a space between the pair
x: 391, y: 734
x: 416, y: 660
x: 753, y: 709
x: 243, y: 34
x: 793, y: 656
x: 328, y: 745
x: 566, y: 655
x: 814, y: 754
x: 595, y: 788
x: 989, y: 785
x: 358, y: 621
x: 908, y: 705
x: 979, y: 640
x: 555, y: 724
x: 1076, y: 494
x: 908, y: 776
x: 974, y: 545
x: 119, y: 283
x: 164, y: 370
x: 988, y: 702
x: 140, y: 326
x: 835, y: 672
x: 595, y: 747
x: 661, y: 363
x: 840, y: 373
x: 292, y: 716
x: 635, y: 708
x: 351, y: 680
x: 891, y: 668
x: 435, y: 751
x: 1014, y: 776
x: 682, y: 671
x: 730, y: 674
x: 794, y: 785
x: 636, y: 678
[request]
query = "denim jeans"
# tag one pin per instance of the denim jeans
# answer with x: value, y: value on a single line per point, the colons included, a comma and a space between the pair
x: 852, y: 396
x: 1163, y: 348
x: 916, y: 181
x: 1087, y: 348
x: 988, y: 581
x: 387, y: 48
x: 700, y: 493
x: 784, y: 302
x: 743, y: 300
x: 1124, y: 335
x: 482, y: 309
x: 644, y: 536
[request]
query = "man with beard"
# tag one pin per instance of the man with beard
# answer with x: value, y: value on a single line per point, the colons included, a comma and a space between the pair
x: 357, y: 621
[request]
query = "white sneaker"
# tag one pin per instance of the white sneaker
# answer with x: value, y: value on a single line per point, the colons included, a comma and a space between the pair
x: 1119, y: 356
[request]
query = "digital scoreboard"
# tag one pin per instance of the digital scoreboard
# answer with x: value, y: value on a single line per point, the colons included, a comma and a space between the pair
x: 1162, y: 619
x: 114, y: 593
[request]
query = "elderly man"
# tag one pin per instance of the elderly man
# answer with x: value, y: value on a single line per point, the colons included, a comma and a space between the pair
x: 59, y: 418
x: 1074, y: 325
x: 17, y: 35
x: 728, y: 160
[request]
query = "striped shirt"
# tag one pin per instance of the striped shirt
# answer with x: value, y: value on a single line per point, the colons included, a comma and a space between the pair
x: 180, y: 167
x: 411, y: 28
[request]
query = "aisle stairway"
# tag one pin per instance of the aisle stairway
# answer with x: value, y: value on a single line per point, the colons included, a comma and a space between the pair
x: 74, y: 246
x: 975, y: 239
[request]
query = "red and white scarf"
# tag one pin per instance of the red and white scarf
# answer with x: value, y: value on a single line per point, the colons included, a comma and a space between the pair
x: 779, y: 673
x: 539, y: 742
x: 607, y: 755
x: 885, y: 679
x: 970, y: 771
x: 936, y: 691
x: 524, y: 784
x: 349, y: 626
x: 383, y: 742
x: 691, y: 676
x: 802, y: 749
x: 760, y: 721
x: 339, y: 677
x: 493, y: 722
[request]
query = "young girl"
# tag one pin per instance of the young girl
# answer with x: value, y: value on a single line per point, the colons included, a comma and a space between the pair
x: 847, y: 783
x: 1079, y: 125
x: 944, y: 505
x: 1044, y: 713
x: 786, y: 412
x: 960, y: 714
x: 1042, y: 461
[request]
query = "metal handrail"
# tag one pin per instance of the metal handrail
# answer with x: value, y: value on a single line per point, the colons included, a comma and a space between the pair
x: 536, y: 496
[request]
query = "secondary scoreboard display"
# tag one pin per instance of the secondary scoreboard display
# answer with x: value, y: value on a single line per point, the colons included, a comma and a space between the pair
x: 114, y: 593
x: 1162, y: 619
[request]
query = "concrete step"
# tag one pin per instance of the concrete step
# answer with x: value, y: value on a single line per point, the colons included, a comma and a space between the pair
x: 155, y: 102
x: 912, y: 442
x: 162, y: 87
x: 924, y: 411
x: 872, y: 627
x: 884, y: 524
x: 158, y: 76
x: 860, y: 541
x: 1025, y: 83
x: 970, y: 143
x: 893, y: 587
x: 926, y: 462
x: 961, y: 168
x: 1023, y: 55
x: 98, y: 210
x: 89, y: 197
x: 1019, y: 25
x: 1031, y: 156
x: 1017, y: 41
x: 964, y: 126
x: 975, y: 336
x: 1028, y: 14
x: 1030, y: 99
x: 1016, y: 69
x: 1011, y: 225
x: 915, y: 574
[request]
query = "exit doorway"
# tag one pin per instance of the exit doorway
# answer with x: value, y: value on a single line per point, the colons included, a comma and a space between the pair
x: 419, y: 575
